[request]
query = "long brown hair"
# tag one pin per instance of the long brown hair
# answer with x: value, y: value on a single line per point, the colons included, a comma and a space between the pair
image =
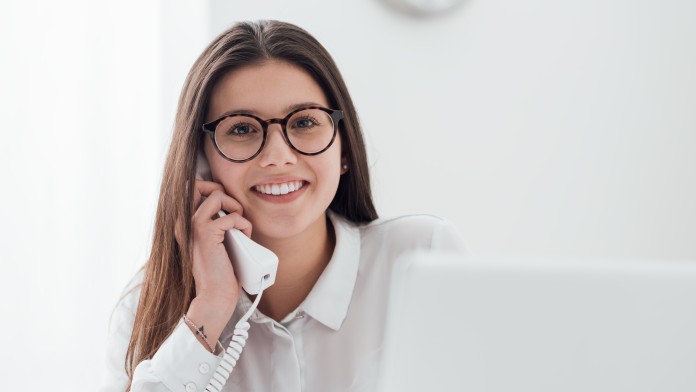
x: 168, y: 287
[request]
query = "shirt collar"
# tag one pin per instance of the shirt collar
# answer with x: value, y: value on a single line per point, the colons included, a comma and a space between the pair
x: 329, y: 299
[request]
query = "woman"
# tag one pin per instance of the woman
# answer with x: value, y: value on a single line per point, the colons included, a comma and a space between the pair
x: 268, y: 110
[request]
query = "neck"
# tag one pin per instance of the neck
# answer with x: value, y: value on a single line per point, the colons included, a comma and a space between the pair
x: 302, y: 260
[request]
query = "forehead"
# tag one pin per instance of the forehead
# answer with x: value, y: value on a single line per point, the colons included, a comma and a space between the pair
x: 267, y: 89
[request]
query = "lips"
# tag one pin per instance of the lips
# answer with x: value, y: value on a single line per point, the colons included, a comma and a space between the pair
x: 280, y: 188
x: 283, y: 193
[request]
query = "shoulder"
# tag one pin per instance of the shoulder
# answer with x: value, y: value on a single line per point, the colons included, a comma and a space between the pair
x: 406, y: 226
x: 127, y: 303
x: 414, y: 232
x: 120, y: 331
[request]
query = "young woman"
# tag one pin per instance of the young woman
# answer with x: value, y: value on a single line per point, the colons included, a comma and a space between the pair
x: 268, y: 110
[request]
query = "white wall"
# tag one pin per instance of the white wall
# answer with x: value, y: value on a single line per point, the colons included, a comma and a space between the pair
x: 539, y: 127
x: 82, y: 124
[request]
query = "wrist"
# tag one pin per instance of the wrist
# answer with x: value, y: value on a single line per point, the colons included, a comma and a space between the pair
x: 209, y: 316
x: 211, y: 304
x: 216, y: 294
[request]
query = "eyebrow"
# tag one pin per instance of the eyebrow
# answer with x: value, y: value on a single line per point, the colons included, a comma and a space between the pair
x: 286, y: 110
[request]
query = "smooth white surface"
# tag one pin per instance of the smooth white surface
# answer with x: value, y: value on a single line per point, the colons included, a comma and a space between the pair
x: 540, y: 325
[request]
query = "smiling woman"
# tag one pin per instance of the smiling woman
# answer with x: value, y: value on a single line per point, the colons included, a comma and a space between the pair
x: 267, y: 108
x: 270, y: 89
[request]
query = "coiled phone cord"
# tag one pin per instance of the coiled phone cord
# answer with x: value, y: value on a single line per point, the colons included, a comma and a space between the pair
x: 234, y: 350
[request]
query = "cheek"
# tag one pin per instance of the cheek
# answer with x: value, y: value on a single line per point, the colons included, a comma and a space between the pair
x: 232, y: 180
x: 330, y: 174
x: 229, y: 175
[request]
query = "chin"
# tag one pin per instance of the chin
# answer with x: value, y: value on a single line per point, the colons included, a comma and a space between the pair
x: 278, y: 227
x: 282, y: 226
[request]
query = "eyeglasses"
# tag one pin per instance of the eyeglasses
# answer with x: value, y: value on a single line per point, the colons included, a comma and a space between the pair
x: 240, y: 137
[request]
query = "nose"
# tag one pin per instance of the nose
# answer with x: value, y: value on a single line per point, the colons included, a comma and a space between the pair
x: 276, y: 151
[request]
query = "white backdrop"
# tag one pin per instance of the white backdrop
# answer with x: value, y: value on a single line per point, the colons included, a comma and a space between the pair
x: 538, y: 127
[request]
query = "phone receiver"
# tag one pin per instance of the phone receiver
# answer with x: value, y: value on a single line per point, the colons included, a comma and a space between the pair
x: 254, y: 265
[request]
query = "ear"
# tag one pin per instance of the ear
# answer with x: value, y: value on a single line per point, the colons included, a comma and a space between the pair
x: 344, y: 165
x: 202, y: 166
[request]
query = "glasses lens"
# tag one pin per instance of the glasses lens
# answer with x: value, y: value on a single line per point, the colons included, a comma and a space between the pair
x: 310, y: 130
x: 239, y: 137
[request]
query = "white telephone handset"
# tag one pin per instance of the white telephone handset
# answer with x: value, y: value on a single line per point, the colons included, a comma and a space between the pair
x: 254, y: 265
x: 255, y: 268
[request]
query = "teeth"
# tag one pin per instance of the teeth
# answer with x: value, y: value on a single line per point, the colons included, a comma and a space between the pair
x: 279, y: 189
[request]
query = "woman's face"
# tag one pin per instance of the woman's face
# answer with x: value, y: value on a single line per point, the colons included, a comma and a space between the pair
x: 270, y: 90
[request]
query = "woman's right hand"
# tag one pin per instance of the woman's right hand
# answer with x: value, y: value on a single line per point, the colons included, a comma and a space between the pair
x: 217, y: 288
x: 212, y: 270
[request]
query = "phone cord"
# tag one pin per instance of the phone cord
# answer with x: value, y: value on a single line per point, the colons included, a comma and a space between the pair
x: 234, y: 350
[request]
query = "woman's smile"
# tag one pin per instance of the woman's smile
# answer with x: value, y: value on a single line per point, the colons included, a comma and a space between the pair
x: 284, y: 192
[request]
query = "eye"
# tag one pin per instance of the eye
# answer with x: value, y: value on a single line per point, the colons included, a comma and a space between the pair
x: 241, y: 129
x: 305, y: 122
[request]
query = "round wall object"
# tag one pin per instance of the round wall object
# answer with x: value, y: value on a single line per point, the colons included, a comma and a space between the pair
x: 423, y: 7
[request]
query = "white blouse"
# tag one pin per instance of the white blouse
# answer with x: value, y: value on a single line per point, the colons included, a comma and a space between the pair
x: 331, y: 342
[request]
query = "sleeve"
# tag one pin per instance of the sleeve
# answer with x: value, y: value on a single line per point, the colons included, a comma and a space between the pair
x: 120, y: 326
x: 447, y: 238
x: 180, y: 364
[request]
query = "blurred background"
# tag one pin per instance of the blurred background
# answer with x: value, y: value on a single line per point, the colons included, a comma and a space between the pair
x: 539, y: 127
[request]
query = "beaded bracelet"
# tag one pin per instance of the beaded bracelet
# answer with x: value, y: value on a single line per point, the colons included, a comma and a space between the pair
x: 199, y: 331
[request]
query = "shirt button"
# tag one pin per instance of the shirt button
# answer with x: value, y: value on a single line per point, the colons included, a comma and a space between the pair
x: 299, y: 315
x: 204, y: 368
x: 190, y: 387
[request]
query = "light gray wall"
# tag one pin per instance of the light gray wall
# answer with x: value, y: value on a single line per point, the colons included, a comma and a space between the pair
x: 540, y: 127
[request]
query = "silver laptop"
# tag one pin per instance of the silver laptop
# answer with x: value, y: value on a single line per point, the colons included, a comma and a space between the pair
x: 500, y: 325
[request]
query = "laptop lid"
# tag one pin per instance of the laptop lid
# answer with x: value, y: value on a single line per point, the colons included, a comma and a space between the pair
x: 499, y: 325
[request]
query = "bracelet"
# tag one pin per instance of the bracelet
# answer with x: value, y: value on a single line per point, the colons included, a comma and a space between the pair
x: 199, y: 331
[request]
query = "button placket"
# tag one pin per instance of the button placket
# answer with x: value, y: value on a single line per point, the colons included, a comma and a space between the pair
x: 296, y: 332
x: 286, y: 374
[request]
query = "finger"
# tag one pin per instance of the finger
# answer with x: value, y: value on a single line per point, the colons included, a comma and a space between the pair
x: 216, y: 201
x: 202, y: 189
x: 207, y: 187
x: 234, y: 221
